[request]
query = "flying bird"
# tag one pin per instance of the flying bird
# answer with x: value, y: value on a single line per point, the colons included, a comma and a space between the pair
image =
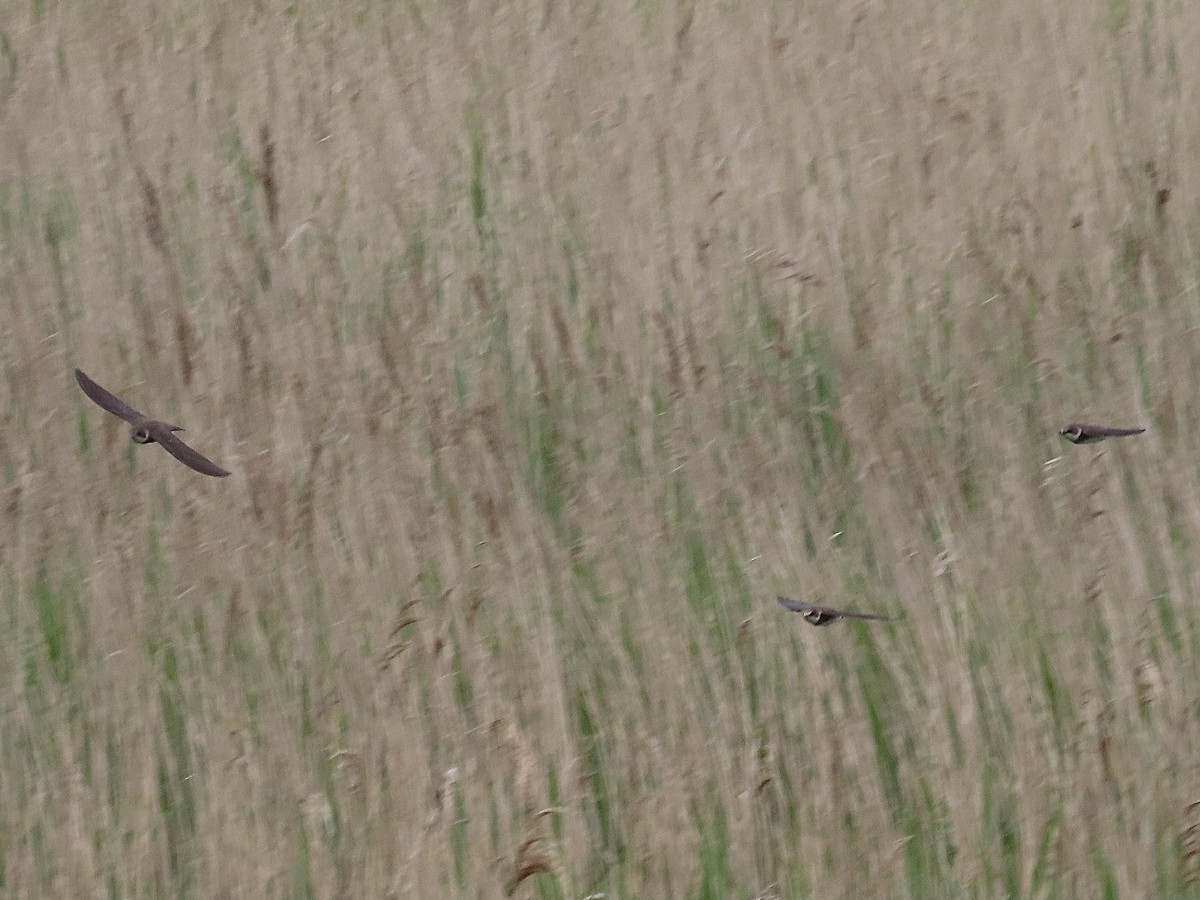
x: 1078, y: 433
x: 824, y: 615
x: 145, y: 430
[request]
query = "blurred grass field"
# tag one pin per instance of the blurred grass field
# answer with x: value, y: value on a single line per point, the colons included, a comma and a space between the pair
x: 547, y: 343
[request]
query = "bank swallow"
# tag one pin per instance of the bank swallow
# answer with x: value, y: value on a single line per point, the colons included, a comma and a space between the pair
x: 145, y: 430
x: 1078, y: 433
x: 824, y: 615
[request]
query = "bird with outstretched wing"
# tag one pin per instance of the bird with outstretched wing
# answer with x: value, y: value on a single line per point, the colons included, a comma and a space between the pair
x: 825, y: 615
x: 1080, y: 433
x: 145, y: 430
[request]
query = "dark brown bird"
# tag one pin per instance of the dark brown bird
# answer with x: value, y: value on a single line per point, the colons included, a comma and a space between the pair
x: 145, y: 430
x: 824, y: 615
x: 1078, y: 433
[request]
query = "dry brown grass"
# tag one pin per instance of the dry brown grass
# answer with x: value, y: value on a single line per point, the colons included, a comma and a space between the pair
x: 548, y: 343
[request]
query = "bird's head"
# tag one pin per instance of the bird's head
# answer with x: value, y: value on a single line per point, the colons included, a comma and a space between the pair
x: 819, y: 616
x: 1073, y: 433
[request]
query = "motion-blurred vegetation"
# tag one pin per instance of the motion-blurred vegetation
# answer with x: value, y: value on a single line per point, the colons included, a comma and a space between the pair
x: 548, y: 342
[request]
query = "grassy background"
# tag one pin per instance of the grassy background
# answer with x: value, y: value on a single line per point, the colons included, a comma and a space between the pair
x: 547, y: 343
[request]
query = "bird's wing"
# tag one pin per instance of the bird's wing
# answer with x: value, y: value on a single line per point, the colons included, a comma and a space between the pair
x: 794, y: 605
x: 105, y: 400
x: 1110, y: 431
x: 186, y: 454
x: 845, y: 614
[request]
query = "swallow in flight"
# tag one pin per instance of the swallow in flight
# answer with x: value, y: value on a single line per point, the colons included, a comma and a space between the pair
x: 1078, y: 433
x: 145, y: 430
x: 824, y: 615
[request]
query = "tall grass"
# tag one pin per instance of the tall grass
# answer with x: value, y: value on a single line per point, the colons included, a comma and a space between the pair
x: 547, y: 345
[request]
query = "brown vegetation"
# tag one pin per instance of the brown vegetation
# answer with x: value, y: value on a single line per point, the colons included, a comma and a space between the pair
x: 548, y: 343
